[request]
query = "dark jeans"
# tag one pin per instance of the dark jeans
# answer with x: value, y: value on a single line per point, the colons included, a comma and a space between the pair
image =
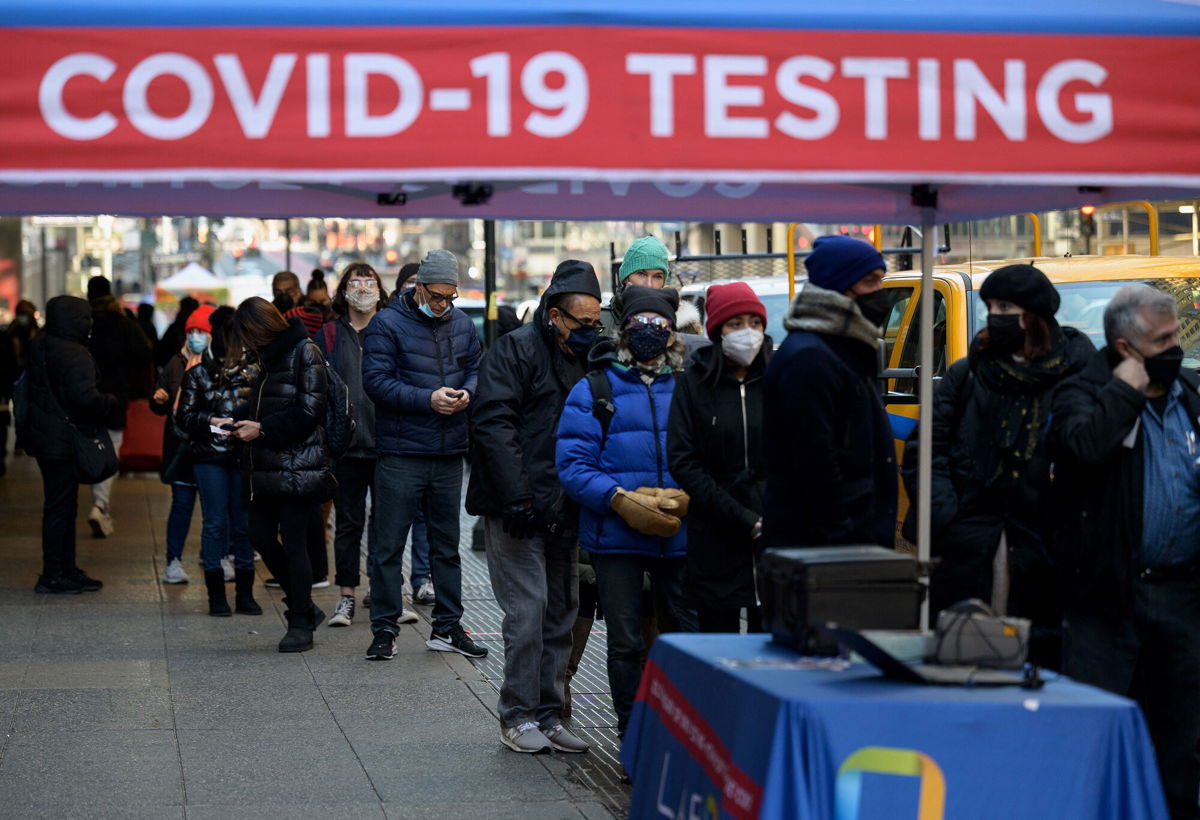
x: 405, y: 484
x: 60, y: 505
x: 179, y: 520
x: 318, y: 551
x: 729, y: 620
x: 355, y: 476
x: 226, y: 523
x: 619, y: 582
x: 1153, y: 657
x: 274, y: 517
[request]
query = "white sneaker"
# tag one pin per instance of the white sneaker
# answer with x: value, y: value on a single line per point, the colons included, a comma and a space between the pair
x: 227, y: 568
x: 407, y: 616
x: 101, y: 522
x: 322, y: 584
x: 174, y: 573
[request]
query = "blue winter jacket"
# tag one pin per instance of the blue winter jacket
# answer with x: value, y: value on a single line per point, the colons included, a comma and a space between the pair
x: 407, y: 356
x: 634, y: 455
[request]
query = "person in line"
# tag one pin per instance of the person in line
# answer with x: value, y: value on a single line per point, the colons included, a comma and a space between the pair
x: 290, y: 467
x: 420, y: 366
x: 145, y: 320
x: 120, y: 349
x: 359, y: 296
x: 316, y: 295
x: 991, y: 462
x: 290, y: 300
x: 14, y: 349
x: 213, y: 396
x: 615, y: 467
x: 715, y: 451
x: 1127, y: 485
x: 173, y: 338
x: 647, y: 264
x: 831, y: 461
x: 62, y: 377
x: 530, y: 529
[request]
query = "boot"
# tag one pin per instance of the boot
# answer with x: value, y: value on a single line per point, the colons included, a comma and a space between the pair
x: 299, y: 637
x: 214, y: 581
x: 243, y: 600
x: 581, y: 630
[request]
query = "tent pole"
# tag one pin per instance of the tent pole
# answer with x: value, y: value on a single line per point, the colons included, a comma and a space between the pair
x: 925, y: 418
x: 489, y: 281
x: 287, y: 244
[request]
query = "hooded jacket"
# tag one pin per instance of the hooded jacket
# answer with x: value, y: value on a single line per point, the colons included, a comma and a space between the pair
x: 120, y: 348
x: 634, y: 454
x: 523, y: 383
x: 408, y: 355
x: 62, y: 374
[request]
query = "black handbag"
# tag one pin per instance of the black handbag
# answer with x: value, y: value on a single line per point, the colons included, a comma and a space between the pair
x: 95, y: 457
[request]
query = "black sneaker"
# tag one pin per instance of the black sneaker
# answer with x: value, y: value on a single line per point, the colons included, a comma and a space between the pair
x: 57, y: 585
x: 88, y: 583
x: 456, y: 640
x: 383, y: 647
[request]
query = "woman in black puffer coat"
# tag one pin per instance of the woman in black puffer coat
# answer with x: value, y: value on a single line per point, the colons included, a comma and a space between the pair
x: 290, y: 467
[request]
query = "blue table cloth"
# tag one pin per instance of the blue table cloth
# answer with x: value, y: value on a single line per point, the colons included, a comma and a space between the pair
x: 732, y: 726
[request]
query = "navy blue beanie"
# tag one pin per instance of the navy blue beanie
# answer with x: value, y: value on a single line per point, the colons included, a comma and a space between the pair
x: 837, y: 262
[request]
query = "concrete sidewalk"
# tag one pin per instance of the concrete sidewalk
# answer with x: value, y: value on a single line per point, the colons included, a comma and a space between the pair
x: 133, y: 702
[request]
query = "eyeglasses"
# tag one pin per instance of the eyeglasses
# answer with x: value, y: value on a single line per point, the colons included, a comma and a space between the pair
x: 638, y: 322
x: 441, y: 299
x: 355, y: 285
x: 596, y: 323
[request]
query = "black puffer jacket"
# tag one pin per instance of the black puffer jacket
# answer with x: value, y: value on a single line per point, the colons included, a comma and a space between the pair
x: 714, y: 448
x: 523, y: 383
x: 62, y: 373
x: 210, y: 390
x: 120, y: 349
x: 170, y: 380
x: 290, y: 457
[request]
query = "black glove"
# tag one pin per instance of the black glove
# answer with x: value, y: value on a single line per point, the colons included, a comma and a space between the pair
x: 519, y: 520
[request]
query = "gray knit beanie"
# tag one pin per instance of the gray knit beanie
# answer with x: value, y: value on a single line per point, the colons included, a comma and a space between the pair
x: 439, y: 267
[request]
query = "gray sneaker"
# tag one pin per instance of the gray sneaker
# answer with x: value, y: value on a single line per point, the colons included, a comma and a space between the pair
x: 563, y: 740
x: 526, y: 738
x: 174, y: 573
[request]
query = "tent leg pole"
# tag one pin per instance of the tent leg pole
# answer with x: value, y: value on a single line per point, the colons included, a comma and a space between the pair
x: 489, y: 281
x: 287, y: 244
x: 925, y: 419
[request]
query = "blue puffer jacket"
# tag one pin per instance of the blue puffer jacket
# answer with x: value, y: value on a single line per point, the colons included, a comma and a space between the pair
x: 634, y: 455
x: 406, y: 356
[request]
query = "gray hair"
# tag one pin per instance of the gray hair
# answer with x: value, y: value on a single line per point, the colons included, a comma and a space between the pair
x: 1122, y: 317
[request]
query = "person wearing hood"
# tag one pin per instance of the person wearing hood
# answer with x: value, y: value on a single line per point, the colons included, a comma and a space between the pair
x: 120, y: 349
x: 831, y: 462
x: 647, y: 264
x: 173, y: 338
x: 612, y: 460
x: 420, y: 368
x: 991, y: 463
x: 530, y: 528
x: 715, y: 449
x: 62, y: 376
x: 1127, y: 513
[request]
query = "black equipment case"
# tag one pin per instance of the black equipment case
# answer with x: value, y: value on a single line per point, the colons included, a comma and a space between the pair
x: 857, y: 587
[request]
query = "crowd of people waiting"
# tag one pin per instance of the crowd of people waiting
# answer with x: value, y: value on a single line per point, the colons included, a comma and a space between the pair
x: 629, y: 470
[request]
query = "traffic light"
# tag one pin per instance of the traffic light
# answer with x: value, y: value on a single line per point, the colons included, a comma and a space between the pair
x: 1087, y: 220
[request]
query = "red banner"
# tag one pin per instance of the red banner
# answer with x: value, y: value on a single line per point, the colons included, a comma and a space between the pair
x: 582, y: 103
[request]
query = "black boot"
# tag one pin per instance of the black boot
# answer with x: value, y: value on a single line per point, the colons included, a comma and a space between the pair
x: 299, y: 637
x: 214, y: 581
x: 243, y: 600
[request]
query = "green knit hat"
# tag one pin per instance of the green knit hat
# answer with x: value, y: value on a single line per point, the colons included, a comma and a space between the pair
x: 646, y: 253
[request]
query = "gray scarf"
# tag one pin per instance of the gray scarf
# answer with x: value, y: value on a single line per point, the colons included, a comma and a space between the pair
x: 825, y: 311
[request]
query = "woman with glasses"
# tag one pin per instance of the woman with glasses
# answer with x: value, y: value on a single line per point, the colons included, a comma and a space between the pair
x: 612, y: 460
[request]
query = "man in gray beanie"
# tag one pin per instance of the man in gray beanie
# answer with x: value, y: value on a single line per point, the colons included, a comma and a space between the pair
x: 420, y: 364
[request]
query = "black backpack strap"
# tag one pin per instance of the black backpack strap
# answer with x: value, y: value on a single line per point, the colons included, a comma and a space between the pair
x: 602, y: 401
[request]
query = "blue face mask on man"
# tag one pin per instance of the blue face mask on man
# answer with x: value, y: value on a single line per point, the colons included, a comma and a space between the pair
x: 427, y: 310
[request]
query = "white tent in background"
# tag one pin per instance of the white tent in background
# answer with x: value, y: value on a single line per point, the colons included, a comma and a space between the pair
x: 192, y: 276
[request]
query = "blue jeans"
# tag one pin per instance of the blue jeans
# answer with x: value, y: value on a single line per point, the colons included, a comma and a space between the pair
x: 226, y: 527
x: 619, y: 583
x: 420, y: 551
x: 179, y: 520
x: 406, y: 485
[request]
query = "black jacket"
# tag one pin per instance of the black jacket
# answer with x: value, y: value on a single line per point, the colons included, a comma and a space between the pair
x: 715, y: 452
x: 170, y: 380
x: 209, y: 390
x: 831, y: 461
x: 62, y: 373
x: 1098, y: 484
x: 346, y: 358
x: 523, y: 384
x: 120, y: 348
x: 290, y: 457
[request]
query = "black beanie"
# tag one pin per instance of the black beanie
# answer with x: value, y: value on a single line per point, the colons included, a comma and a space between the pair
x: 97, y: 287
x: 638, y: 299
x: 1023, y: 285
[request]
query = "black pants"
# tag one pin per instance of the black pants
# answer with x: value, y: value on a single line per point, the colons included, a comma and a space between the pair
x: 354, y: 477
x: 60, y: 490
x: 314, y: 537
x: 290, y: 518
x: 729, y: 620
x: 1153, y: 657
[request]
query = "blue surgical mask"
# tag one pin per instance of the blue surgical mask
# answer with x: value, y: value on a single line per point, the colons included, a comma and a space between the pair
x: 427, y: 310
x: 197, y: 342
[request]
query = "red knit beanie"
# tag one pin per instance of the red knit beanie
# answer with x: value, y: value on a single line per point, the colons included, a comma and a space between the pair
x: 200, y: 319
x: 723, y: 302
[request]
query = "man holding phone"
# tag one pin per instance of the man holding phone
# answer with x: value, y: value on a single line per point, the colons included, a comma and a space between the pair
x: 420, y: 364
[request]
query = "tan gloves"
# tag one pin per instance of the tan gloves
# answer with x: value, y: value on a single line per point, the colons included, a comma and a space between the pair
x: 651, y: 510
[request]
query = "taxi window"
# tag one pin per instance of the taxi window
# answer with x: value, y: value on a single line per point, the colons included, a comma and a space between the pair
x: 910, y: 354
x: 898, y: 299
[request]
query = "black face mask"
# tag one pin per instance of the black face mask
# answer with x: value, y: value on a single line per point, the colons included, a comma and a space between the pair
x: 647, y: 343
x: 1163, y: 369
x: 283, y: 303
x: 875, y: 307
x: 580, y: 340
x: 1005, y: 334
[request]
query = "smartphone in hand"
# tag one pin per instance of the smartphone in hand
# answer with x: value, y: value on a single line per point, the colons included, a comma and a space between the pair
x: 455, y: 394
x: 229, y: 425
